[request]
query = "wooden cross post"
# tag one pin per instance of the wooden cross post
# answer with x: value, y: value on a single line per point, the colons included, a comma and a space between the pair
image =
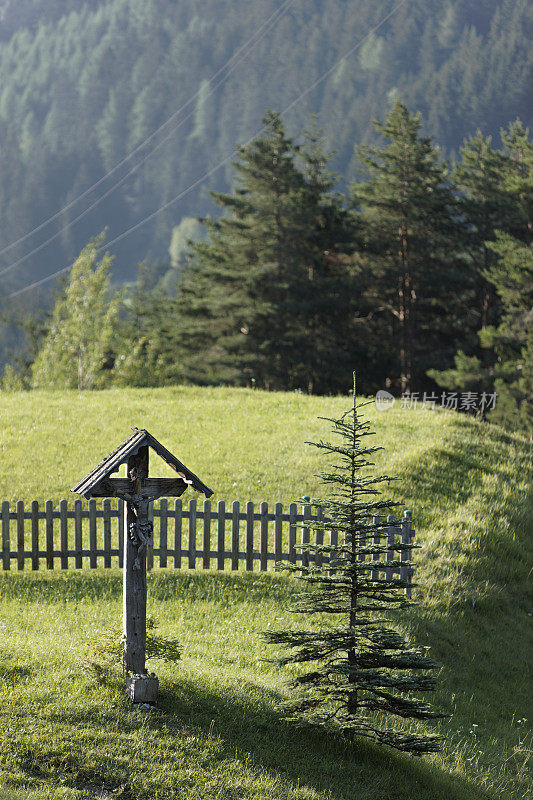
x: 137, y: 535
x: 137, y: 490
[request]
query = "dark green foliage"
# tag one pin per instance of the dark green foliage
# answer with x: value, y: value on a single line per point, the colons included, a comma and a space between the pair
x: 144, y: 337
x: 497, y: 192
x: 359, y: 668
x: 416, y: 284
x: 512, y: 340
x: 83, y: 83
x: 270, y: 298
x: 104, y: 652
x: 32, y: 328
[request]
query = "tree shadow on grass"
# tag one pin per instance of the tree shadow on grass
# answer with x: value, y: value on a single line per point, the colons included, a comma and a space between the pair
x: 253, y: 734
x: 305, y: 756
x: 223, y: 588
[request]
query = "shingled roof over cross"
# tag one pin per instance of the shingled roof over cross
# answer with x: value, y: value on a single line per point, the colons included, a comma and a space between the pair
x: 92, y: 484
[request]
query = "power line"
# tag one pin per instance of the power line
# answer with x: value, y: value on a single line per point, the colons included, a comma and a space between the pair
x: 281, y: 10
x: 214, y: 169
x: 265, y: 28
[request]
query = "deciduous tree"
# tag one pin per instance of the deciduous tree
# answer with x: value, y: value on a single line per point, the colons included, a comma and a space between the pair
x: 77, y: 351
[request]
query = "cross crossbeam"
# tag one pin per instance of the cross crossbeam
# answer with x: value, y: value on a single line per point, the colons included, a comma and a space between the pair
x: 152, y: 488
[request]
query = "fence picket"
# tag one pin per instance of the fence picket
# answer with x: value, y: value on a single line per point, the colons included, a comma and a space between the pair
x: 92, y: 534
x: 48, y: 510
x: 306, y: 535
x: 319, y: 537
x: 192, y: 534
x: 206, y: 558
x: 163, y: 528
x: 20, y: 534
x: 221, y: 534
x: 263, y: 545
x: 107, y: 532
x: 178, y: 511
x: 405, y: 554
x: 391, y: 531
x: 63, y: 533
x: 410, y: 570
x: 293, y: 511
x: 278, y: 532
x: 34, y: 535
x: 376, y: 540
x: 235, y: 535
x: 249, y: 536
x: 6, y: 543
x: 78, y: 535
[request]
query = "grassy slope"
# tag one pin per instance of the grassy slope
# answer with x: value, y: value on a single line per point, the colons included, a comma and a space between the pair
x: 220, y: 735
x: 245, y: 445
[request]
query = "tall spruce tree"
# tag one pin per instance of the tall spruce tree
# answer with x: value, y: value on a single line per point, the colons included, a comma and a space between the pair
x: 512, y: 339
x: 418, y: 287
x: 359, y: 668
x: 484, y: 207
x: 484, y: 178
x: 266, y: 299
x: 497, y: 196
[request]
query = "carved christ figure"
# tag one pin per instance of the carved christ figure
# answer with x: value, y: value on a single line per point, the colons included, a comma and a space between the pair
x: 141, y: 530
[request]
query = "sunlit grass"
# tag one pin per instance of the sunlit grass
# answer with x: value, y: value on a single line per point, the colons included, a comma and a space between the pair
x: 219, y: 733
x: 245, y: 444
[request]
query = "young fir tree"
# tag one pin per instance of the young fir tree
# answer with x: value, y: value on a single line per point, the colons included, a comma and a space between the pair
x: 360, y: 668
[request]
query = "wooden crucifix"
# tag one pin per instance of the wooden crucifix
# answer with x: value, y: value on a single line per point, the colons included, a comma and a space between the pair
x: 138, y: 491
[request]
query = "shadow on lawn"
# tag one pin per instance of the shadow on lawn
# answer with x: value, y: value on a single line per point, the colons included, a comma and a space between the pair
x: 255, y: 735
x: 305, y: 756
x: 473, y: 480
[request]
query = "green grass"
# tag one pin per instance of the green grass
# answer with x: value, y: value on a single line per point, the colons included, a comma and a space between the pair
x: 245, y: 444
x: 219, y: 733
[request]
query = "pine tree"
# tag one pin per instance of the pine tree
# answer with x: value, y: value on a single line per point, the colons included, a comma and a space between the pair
x: 496, y: 189
x: 324, y: 301
x: 488, y: 182
x: 418, y: 286
x: 359, y: 668
x: 265, y: 299
x: 512, y: 340
x: 484, y: 207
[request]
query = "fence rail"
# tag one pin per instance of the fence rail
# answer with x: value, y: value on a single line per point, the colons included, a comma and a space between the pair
x: 223, y: 535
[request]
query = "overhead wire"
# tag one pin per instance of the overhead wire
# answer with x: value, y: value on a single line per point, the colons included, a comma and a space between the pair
x: 265, y: 28
x: 275, y: 16
x: 228, y: 158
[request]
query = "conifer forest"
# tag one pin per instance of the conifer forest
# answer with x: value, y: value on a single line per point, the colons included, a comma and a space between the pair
x: 268, y: 195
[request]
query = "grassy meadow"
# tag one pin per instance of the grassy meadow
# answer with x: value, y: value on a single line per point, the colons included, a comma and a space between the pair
x: 219, y: 732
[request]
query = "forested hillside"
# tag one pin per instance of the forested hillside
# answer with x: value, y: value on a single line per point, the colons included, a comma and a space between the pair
x: 83, y: 84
